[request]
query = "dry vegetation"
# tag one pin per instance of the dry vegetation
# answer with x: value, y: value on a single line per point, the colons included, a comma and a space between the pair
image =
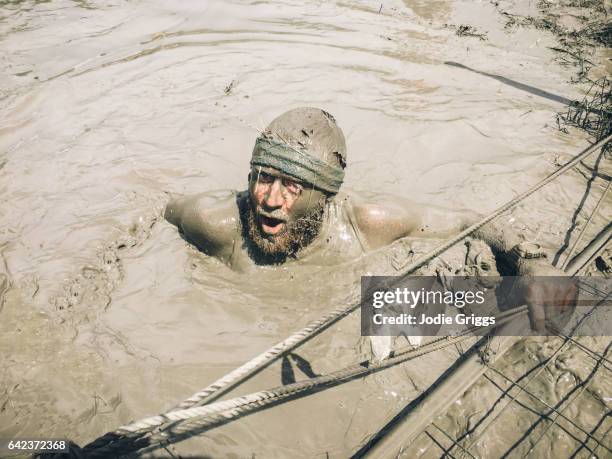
x: 584, y: 32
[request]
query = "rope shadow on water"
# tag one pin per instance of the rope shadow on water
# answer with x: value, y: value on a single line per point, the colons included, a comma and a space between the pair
x: 587, y: 191
x: 504, y: 393
x: 515, y: 84
x: 445, y: 450
x: 544, y: 416
x: 583, y: 444
x: 178, y: 431
x: 245, y: 405
x: 555, y: 409
x: 287, y: 372
x: 363, y: 451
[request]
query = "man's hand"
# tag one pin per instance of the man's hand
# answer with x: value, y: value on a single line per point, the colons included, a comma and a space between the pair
x: 548, y: 300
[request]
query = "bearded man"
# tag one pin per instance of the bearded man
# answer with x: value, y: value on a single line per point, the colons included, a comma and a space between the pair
x: 293, y: 210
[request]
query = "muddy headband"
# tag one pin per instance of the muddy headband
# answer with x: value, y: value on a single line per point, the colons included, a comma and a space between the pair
x: 298, y: 164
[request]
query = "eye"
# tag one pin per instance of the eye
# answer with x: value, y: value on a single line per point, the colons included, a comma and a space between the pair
x: 265, y: 178
x: 292, y: 186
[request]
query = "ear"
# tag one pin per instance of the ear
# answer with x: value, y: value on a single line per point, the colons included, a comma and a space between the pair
x: 249, y: 178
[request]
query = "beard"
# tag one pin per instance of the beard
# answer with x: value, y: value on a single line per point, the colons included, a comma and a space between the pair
x: 275, y: 249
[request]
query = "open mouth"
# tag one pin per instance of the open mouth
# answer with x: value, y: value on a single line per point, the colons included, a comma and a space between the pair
x: 271, y: 225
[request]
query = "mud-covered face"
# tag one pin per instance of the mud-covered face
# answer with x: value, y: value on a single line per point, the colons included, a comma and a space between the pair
x: 279, y: 199
x: 284, y: 214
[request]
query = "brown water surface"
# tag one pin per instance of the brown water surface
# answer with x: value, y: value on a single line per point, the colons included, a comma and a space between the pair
x: 107, y: 108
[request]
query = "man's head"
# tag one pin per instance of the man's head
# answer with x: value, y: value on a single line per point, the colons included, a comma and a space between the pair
x: 297, y: 166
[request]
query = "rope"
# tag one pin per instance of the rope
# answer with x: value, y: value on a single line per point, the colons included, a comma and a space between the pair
x: 591, y: 353
x: 537, y: 373
x: 455, y: 442
x: 416, y: 418
x: 183, y: 423
x: 560, y: 411
x: 551, y: 408
x: 314, y: 328
x: 180, y: 424
x: 263, y: 360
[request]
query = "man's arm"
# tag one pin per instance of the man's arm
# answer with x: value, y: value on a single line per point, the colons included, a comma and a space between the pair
x: 383, y: 224
x: 546, y: 300
x: 385, y: 219
x: 209, y: 220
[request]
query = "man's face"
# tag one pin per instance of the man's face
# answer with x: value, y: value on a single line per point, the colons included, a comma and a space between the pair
x: 284, y: 214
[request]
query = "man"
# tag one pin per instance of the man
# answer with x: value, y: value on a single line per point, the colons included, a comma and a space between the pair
x: 294, y: 210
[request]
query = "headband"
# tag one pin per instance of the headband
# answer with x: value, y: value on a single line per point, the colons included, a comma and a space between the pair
x: 298, y: 164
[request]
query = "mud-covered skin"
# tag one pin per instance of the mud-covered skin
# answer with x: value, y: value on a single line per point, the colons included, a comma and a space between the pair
x: 283, y: 216
x: 284, y: 197
x: 546, y: 301
x: 212, y: 222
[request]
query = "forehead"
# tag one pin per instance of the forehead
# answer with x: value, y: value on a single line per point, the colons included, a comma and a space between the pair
x: 273, y: 172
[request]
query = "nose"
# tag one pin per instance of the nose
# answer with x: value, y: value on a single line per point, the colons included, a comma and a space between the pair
x: 274, y: 198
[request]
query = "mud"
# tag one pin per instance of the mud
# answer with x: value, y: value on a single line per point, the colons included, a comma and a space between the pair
x: 108, y: 315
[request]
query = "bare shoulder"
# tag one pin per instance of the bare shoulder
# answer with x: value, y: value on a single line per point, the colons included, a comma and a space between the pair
x: 210, y: 220
x: 383, y: 219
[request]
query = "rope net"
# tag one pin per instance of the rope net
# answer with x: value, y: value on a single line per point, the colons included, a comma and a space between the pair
x: 197, y: 414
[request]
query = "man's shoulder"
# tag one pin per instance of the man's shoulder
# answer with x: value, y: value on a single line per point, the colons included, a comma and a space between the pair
x: 214, y: 210
x: 211, y: 200
x: 210, y: 219
x: 370, y: 210
x: 380, y: 218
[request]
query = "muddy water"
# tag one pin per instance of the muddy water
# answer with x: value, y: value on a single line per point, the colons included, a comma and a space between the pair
x: 108, y: 108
